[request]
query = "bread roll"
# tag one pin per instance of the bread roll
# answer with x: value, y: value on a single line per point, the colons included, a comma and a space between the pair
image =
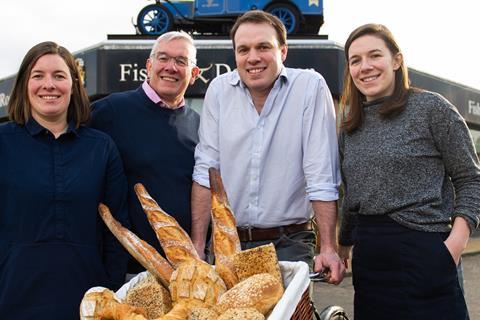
x: 241, y: 313
x: 226, y: 242
x: 151, y: 296
x: 196, y: 284
x: 179, y: 312
x: 202, y: 314
x: 261, y: 292
x: 176, y: 243
x: 144, y: 253
x: 262, y: 259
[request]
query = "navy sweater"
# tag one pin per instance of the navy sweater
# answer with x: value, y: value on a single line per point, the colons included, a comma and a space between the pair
x: 157, y: 147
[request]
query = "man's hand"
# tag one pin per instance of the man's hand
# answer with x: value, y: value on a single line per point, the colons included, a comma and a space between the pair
x: 200, y: 217
x: 200, y: 247
x: 331, y: 265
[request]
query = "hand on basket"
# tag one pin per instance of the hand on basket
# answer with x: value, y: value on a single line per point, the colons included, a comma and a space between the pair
x: 330, y: 264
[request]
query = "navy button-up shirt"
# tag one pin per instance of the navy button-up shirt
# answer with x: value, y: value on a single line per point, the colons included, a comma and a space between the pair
x: 53, y: 244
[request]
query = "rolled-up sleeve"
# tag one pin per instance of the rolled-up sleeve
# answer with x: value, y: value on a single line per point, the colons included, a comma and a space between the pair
x: 207, y: 149
x: 320, y: 160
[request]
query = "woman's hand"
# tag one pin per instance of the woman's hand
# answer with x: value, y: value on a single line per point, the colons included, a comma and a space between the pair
x: 344, y: 252
x: 458, y: 238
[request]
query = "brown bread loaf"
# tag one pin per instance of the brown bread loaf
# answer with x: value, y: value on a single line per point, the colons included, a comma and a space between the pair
x: 225, y: 237
x: 151, y: 296
x: 144, y: 253
x: 262, y: 259
x: 261, y: 292
x: 176, y: 243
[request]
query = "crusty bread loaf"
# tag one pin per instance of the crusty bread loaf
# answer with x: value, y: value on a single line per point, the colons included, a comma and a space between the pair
x: 226, y: 242
x: 196, y: 283
x: 100, y: 303
x: 144, y: 253
x: 151, y: 296
x: 262, y: 259
x: 95, y: 300
x: 241, y: 313
x: 261, y: 292
x: 176, y: 243
x: 202, y: 314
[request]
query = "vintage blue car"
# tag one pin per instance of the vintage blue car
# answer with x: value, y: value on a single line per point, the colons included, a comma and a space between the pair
x: 217, y: 16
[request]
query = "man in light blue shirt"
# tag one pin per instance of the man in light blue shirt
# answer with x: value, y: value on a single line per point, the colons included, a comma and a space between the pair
x: 271, y: 132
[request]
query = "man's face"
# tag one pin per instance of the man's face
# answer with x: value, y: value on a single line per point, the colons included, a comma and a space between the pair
x: 259, y: 56
x: 168, y: 76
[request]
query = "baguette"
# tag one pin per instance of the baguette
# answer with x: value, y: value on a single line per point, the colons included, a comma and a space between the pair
x: 144, y: 253
x: 226, y: 242
x: 261, y: 292
x: 176, y: 243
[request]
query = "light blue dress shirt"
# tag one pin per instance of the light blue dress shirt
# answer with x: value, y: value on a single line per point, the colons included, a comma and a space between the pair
x: 273, y: 163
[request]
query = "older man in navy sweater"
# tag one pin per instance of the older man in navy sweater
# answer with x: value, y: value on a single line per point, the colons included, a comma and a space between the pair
x: 156, y: 133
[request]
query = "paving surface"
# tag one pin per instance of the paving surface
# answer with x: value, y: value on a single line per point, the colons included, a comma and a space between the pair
x: 342, y: 295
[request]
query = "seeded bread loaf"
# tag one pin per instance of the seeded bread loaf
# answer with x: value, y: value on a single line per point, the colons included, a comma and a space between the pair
x: 151, y: 296
x: 261, y: 292
x: 262, y: 259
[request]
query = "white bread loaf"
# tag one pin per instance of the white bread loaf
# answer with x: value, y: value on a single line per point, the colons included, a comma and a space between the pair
x: 196, y: 284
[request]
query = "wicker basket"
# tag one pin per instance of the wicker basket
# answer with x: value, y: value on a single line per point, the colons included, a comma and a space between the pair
x: 304, y: 310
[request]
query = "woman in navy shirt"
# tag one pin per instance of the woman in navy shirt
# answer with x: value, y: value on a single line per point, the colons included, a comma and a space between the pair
x: 55, y: 171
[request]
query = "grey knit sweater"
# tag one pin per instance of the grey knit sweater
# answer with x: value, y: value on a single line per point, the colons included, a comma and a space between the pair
x: 420, y: 167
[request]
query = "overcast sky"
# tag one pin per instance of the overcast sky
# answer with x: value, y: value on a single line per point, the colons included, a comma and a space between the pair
x: 436, y: 36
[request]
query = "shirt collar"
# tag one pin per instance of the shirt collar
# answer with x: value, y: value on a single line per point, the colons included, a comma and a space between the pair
x: 235, y: 77
x: 155, y: 98
x: 34, y: 128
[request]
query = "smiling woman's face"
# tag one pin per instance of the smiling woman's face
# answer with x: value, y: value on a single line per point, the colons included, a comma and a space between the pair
x: 50, y: 89
x: 372, y: 67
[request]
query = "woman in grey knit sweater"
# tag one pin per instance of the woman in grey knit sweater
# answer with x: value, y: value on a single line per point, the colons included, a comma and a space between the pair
x: 411, y: 186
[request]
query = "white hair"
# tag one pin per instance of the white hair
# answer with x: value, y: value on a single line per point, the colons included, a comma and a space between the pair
x: 173, y: 35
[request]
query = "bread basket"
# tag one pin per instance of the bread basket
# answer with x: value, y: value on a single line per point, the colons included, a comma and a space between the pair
x: 295, y: 302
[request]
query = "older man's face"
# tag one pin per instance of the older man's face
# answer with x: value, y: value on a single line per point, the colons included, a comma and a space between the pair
x: 168, y: 76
